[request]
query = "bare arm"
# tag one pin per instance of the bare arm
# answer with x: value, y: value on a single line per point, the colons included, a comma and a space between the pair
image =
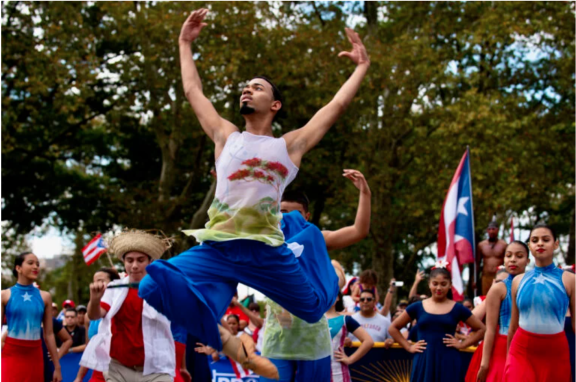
x: 94, y: 310
x: 347, y: 236
x: 478, y: 330
x: 493, y: 302
x: 49, y: 336
x: 213, y: 125
x: 568, y: 280
x: 388, y: 299
x: 78, y: 349
x: 480, y: 310
x: 184, y: 370
x: 515, y: 316
x: 356, y: 292
x: 255, y: 318
x: 366, y: 344
x: 300, y: 141
x: 414, y: 290
x: 81, y: 373
x: 66, y: 342
x: 394, y: 331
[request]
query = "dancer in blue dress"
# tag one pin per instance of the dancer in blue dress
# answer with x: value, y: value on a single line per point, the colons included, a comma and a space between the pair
x: 498, y: 312
x: 27, y: 308
x: 538, y: 348
x: 436, y: 356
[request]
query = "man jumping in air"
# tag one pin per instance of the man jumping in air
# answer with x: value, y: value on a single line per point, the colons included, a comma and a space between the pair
x: 243, y: 241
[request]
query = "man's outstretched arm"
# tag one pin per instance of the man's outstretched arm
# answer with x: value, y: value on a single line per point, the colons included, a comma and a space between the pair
x: 302, y: 140
x: 347, y: 236
x: 216, y: 127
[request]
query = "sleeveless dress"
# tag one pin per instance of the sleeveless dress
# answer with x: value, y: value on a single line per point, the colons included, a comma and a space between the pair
x: 340, y: 326
x: 22, y: 356
x: 97, y: 376
x: 539, y: 350
x: 244, y: 242
x: 438, y: 363
x: 498, y: 360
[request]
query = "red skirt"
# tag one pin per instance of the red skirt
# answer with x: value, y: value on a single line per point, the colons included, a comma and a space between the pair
x: 474, y: 366
x: 97, y: 376
x: 538, y: 358
x: 180, y: 349
x: 498, y: 360
x: 22, y: 361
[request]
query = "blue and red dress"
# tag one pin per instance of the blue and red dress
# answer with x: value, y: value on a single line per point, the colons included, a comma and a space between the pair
x: 23, y: 348
x: 539, y: 350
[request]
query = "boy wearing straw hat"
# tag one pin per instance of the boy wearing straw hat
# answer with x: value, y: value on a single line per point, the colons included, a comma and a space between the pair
x: 134, y: 341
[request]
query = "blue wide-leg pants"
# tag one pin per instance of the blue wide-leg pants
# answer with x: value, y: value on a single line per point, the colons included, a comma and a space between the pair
x: 194, y: 288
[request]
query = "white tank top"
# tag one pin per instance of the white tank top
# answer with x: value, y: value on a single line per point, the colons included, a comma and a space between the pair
x: 251, y: 174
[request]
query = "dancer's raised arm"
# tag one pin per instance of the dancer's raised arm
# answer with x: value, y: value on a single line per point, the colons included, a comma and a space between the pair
x: 302, y: 140
x: 216, y: 127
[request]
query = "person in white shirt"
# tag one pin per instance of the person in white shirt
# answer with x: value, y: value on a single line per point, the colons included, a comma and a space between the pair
x: 373, y: 322
x: 134, y: 341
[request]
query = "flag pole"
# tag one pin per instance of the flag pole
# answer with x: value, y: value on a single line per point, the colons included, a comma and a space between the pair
x: 110, y: 259
x: 473, y: 228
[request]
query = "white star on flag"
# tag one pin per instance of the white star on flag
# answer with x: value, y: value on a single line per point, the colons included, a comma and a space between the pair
x: 461, y: 208
x: 27, y: 297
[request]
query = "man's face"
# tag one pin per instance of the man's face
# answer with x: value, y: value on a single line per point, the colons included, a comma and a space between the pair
x: 135, y: 264
x: 492, y: 232
x: 367, y: 303
x: 257, y: 96
x: 70, y: 319
x: 468, y: 304
x: 286, y: 207
x: 81, y: 315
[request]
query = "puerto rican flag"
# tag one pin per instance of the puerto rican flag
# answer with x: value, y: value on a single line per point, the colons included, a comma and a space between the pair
x: 456, y: 232
x: 94, y: 249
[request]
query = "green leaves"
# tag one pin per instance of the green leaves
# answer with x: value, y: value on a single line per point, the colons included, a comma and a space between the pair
x: 96, y: 130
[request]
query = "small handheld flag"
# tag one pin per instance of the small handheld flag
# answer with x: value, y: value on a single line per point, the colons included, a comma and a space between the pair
x: 94, y: 249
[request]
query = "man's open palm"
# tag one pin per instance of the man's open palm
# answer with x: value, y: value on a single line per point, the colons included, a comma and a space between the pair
x: 358, y: 54
x: 193, y: 25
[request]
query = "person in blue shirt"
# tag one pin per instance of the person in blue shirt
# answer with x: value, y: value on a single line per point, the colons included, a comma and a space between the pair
x: 27, y: 309
x: 538, y: 348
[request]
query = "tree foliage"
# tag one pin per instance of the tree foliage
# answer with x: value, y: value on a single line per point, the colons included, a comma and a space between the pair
x: 96, y: 130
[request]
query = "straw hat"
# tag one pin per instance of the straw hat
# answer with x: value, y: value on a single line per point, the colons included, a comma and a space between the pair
x: 138, y: 241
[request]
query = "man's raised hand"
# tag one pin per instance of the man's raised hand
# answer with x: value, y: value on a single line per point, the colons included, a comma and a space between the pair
x: 358, y: 55
x: 193, y: 25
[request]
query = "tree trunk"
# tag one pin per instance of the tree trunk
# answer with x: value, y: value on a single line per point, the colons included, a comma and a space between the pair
x: 382, y: 234
x: 199, y: 218
x: 570, y: 256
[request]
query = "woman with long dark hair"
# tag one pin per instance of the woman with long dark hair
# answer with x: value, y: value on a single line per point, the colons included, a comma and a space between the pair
x: 27, y: 308
x: 498, y: 311
x: 436, y: 356
x: 538, y: 348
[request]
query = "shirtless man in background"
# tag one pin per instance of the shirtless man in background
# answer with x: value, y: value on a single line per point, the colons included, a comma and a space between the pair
x: 492, y: 253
